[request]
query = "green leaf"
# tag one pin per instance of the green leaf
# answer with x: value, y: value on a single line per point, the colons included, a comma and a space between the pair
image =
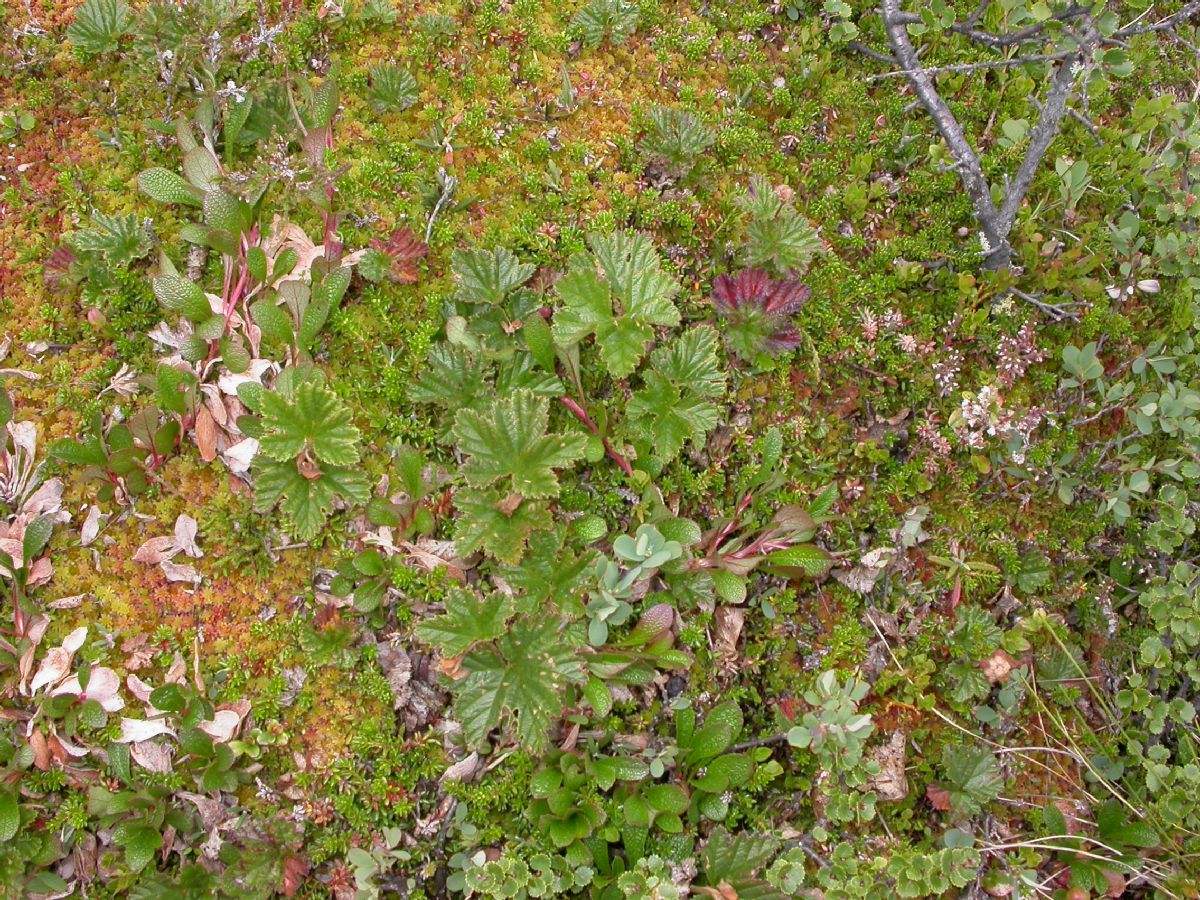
x: 392, y: 88
x: 808, y: 559
x: 274, y: 323
x: 98, y: 26
x: 973, y: 775
x: 10, y: 814
x: 666, y: 798
x: 224, y: 212
x: 37, y: 535
x: 666, y: 419
x: 631, y: 276
x: 486, y: 523
x: 488, y: 276
x: 313, y: 418
x: 520, y: 681
x: 734, y: 857
x: 540, y: 341
x: 614, y: 19
x: 451, y: 379
x: 180, y: 295
x: 141, y: 843
x: 202, y: 170
x: 325, y: 102
x: 510, y: 445
x: 598, y: 696
x: 306, y: 502
x: 167, y: 187
x: 469, y: 619
x: 550, y: 574
x: 86, y: 452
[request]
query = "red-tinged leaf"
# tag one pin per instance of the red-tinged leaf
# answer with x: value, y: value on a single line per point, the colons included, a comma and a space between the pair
x: 405, y: 250
x: 955, y: 596
x: 938, y: 797
x: 295, y: 873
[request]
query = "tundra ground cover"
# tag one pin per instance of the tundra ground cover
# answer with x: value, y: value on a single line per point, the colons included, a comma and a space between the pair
x: 504, y: 449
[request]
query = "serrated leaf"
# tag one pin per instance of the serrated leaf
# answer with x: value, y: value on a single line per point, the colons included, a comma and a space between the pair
x: 452, y: 379
x: 313, y: 418
x: 634, y: 280
x: 305, y: 502
x: 392, y: 88
x: 614, y: 19
x: 519, y: 681
x: 488, y: 276
x: 487, y: 523
x: 469, y: 619
x: 510, y: 445
x: 99, y: 26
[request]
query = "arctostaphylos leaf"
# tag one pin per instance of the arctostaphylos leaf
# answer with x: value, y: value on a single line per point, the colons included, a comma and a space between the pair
x: 509, y: 445
x: 618, y: 294
x: 518, y: 681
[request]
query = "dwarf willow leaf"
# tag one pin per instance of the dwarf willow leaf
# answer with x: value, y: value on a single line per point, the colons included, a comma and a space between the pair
x: 509, y: 445
x: 520, y: 679
x: 167, y: 187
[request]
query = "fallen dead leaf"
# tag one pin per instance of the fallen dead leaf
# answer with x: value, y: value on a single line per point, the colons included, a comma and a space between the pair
x: 891, y: 783
x: 151, y: 756
x: 206, y: 434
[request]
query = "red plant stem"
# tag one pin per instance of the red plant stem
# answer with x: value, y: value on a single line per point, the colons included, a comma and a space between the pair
x: 582, y: 416
x: 731, y: 524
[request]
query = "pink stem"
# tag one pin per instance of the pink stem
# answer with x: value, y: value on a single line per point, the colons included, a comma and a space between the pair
x: 583, y: 417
